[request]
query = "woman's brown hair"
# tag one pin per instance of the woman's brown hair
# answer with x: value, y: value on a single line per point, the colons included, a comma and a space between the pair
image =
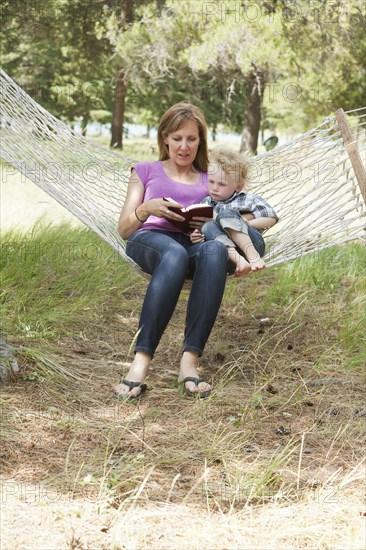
x: 175, y: 117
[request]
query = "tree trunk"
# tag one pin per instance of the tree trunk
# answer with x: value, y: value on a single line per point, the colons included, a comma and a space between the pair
x: 118, y: 110
x: 249, y: 138
x: 126, y: 19
x: 84, y: 124
x: 159, y: 6
x: 147, y: 133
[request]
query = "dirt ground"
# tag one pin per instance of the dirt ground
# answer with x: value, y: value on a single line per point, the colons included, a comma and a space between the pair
x: 177, y: 460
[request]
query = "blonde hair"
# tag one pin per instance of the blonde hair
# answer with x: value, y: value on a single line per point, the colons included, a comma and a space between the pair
x: 173, y: 119
x: 231, y: 162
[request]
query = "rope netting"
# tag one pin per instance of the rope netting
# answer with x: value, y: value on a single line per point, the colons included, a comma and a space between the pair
x: 309, y: 181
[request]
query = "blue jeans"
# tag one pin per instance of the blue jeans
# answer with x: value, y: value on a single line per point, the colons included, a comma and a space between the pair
x: 230, y: 218
x: 171, y: 258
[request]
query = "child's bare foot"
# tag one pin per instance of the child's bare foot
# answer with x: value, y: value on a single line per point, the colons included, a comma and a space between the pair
x: 242, y: 266
x: 257, y: 264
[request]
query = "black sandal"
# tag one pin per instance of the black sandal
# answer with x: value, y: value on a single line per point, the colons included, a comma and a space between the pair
x: 196, y: 381
x: 131, y: 385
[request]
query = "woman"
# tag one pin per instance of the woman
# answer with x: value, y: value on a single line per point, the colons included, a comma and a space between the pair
x: 160, y: 249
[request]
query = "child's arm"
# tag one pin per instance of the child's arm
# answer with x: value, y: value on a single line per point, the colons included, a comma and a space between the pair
x: 261, y: 215
x: 261, y: 223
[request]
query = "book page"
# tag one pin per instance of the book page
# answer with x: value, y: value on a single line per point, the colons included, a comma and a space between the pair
x: 192, y: 206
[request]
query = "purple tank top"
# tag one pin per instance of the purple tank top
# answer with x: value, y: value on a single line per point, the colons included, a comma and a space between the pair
x: 158, y: 185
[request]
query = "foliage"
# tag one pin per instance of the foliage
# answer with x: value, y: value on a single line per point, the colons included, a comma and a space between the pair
x: 159, y: 72
x: 332, y: 74
x: 65, y: 53
x: 214, y: 52
x: 52, y: 51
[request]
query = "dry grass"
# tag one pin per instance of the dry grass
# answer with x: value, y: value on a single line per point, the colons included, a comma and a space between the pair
x: 214, y: 474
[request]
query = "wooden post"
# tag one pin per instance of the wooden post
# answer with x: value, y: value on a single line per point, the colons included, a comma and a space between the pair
x: 352, y: 150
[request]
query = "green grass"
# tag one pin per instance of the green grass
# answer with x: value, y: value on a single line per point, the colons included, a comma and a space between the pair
x: 141, y: 149
x: 57, y: 279
x: 321, y: 273
x: 326, y: 288
x: 330, y: 285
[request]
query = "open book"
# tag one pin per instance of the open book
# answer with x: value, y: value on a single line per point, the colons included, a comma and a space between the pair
x: 192, y: 211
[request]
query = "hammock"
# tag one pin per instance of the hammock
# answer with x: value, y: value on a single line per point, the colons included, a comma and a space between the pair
x: 310, y: 181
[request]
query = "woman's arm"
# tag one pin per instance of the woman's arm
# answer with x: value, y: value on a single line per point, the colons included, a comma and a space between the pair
x: 135, y: 212
x: 128, y: 222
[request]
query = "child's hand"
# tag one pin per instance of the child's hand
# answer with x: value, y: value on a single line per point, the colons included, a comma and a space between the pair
x: 196, y: 236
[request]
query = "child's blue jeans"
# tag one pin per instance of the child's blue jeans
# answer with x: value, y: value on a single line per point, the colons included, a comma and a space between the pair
x: 231, y: 219
x: 170, y: 258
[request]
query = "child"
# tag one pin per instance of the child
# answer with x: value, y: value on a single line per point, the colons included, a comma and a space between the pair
x: 240, y: 217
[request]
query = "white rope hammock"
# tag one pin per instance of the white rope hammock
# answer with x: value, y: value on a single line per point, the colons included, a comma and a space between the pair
x: 310, y: 181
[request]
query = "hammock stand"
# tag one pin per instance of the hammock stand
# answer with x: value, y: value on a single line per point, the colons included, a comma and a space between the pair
x: 316, y: 182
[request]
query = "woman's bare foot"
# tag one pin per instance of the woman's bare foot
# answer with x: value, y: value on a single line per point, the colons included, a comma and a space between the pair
x: 137, y: 373
x: 188, y: 367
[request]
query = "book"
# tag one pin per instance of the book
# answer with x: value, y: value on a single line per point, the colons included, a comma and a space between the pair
x: 192, y: 211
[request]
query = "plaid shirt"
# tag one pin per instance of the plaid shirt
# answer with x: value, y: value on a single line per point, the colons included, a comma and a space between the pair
x: 245, y: 203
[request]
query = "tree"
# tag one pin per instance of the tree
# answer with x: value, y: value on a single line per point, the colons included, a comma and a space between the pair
x: 120, y: 21
x: 52, y: 51
x: 244, y: 63
x: 114, y: 27
x: 216, y: 62
x: 237, y: 42
x: 256, y: 82
x: 159, y: 72
x: 332, y: 74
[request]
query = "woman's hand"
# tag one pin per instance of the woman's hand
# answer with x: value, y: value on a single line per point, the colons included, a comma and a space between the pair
x: 135, y: 211
x: 159, y: 208
x: 198, y: 222
x: 196, y: 236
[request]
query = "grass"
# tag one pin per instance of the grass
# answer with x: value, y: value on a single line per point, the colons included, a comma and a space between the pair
x: 273, y: 459
x: 56, y: 279
x: 133, y: 148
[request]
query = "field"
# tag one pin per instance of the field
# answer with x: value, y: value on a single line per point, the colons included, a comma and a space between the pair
x: 281, y: 440
x: 273, y: 459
